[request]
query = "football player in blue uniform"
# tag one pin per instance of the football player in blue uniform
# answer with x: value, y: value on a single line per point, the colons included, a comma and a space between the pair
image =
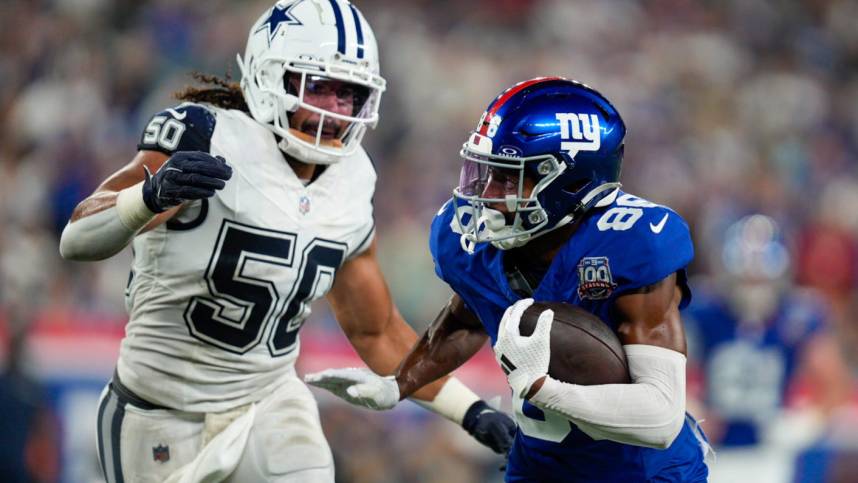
x: 753, y: 334
x: 539, y: 214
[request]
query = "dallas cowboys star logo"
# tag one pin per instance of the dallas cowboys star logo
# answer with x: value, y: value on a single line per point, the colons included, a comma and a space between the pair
x: 279, y: 15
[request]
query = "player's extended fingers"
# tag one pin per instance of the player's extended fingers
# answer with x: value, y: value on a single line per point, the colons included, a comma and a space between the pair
x: 340, y: 377
x: 370, y: 395
x: 504, y: 319
x: 326, y: 375
x: 515, y: 316
x: 362, y: 394
x: 193, y: 193
x: 198, y: 180
x: 328, y: 379
x: 214, y: 170
x: 543, y: 324
x: 203, y: 163
x: 321, y: 380
x: 508, y: 315
x: 355, y: 391
x: 336, y: 386
x: 177, y: 191
x: 519, y: 307
x: 314, y: 377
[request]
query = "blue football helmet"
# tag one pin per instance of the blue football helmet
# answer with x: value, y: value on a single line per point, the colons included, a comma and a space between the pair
x: 756, y: 262
x: 547, y: 149
x: 755, y: 250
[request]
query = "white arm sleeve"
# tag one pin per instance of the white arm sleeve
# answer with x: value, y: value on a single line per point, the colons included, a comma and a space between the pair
x: 649, y: 412
x: 103, y: 234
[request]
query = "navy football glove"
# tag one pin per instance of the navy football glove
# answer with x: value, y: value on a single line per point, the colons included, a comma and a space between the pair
x: 187, y: 175
x: 490, y: 427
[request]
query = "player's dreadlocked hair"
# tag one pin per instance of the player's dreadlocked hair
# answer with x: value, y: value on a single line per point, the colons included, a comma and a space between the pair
x: 222, y: 93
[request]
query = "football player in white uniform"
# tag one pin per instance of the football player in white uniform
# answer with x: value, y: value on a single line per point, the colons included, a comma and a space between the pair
x: 242, y: 207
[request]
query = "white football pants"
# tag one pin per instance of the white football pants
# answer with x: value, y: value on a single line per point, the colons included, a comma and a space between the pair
x: 279, y: 438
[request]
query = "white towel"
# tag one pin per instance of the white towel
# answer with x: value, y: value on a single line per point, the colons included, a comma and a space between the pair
x: 224, y: 438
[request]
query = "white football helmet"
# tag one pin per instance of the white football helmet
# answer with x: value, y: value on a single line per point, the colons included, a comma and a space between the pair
x: 300, y: 42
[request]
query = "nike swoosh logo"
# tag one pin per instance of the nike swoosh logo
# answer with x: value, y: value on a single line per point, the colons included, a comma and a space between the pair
x: 657, y: 228
x: 178, y: 115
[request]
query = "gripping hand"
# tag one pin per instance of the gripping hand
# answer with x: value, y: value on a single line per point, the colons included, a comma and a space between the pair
x: 358, y: 386
x: 490, y: 427
x: 523, y: 359
x: 187, y: 175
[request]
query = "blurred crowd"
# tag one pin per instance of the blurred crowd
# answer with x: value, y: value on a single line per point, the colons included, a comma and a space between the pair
x: 732, y: 107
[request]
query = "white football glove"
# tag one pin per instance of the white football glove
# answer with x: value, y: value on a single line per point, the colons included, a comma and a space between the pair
x: 359, y: 386
x: 523, y: 359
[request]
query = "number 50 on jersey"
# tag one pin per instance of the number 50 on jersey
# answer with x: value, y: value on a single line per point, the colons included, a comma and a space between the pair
x: 245, y: 305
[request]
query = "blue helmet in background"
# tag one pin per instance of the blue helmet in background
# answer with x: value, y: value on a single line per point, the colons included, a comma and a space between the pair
x: 556, y: 148
x: 756, y: 267
x: 755, y: 250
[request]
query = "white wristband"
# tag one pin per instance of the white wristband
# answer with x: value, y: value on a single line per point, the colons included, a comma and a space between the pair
x: 452, y: 401
x: 132, y: 211
x: 105, y: 233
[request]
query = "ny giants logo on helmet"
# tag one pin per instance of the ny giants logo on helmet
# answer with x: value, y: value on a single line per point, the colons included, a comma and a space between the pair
x: 579, y: 132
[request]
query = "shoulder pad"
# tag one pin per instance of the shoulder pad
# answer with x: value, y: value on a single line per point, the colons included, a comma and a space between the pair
x: 186, y: 127
x: 362, y: 164
x: 371, y: 162
x: 645, y: 242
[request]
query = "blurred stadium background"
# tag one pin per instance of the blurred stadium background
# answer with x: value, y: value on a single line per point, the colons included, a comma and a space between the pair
x: 733, y: 107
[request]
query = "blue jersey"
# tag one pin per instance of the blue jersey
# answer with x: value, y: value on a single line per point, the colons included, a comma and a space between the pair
x: 617, y: 249
x: 747, y: 368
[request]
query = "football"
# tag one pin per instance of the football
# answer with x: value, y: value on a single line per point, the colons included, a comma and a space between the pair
x: 584, y: 350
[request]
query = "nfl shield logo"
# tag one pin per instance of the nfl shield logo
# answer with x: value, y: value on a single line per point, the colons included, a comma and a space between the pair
x: 304, y: 205
x: 594, y: 278
x: 161, y: 453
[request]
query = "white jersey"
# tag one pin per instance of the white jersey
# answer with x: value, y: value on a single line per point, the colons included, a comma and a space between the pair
x: 218, y: 294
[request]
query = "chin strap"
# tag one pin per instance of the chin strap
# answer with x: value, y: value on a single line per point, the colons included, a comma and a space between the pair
x: 305, y: 155
x: 467, y: 245
x: 604, y: 201
x: 579, y: 210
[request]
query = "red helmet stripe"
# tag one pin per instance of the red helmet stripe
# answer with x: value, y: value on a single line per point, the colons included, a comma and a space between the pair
x: 506, y: 96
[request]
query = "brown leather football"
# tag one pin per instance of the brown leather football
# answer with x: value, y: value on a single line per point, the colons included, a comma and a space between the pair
x: 584, y: 350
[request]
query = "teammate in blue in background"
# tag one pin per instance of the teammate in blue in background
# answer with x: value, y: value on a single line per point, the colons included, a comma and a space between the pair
x: 753, y: 335
x: 754, y: 332
x: 539, y: 214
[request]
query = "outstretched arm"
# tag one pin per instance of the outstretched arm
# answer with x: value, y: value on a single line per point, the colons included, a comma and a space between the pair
x: 364, y: 309
x: 419, y: 368
x: 131, y: 201
x: 95, y: 230
x: 453, y: 338
x: 648, y: 412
